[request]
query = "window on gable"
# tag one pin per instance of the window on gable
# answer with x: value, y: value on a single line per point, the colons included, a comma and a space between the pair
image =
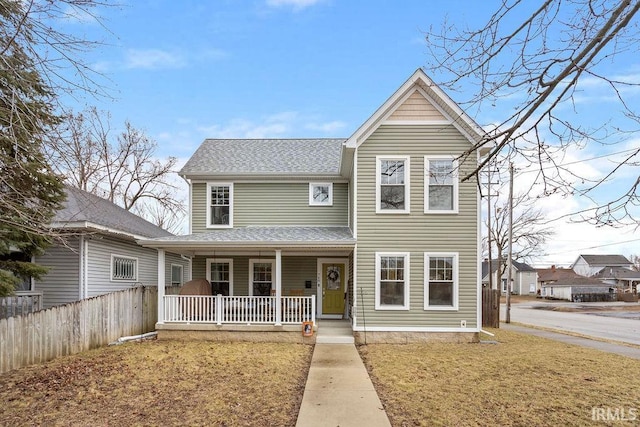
x: 392, y: 179
x: 220, y: 274
x: 441, y: 281
x: 220, y: 205
x: 320, y: 194
x: 441, y: 185
x: 124, y: 268
x: 392, y: 281
x: 261, y: 277
x: 176, y: 274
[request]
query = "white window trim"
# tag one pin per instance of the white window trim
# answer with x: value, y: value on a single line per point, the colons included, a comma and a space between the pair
x: 407, y: 191
x: 456, y: 287
x: 407, y: 281
x: 455, y: 185
x: 229, y: 261
x: 135, y: 279
x: 261, y: 261
x: 316, y: 184
x: 231, y: 203
x: 171, y: 274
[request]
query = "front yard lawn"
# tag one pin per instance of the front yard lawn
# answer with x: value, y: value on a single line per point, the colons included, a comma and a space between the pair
x: 521, y: 381
x: 161, y: 383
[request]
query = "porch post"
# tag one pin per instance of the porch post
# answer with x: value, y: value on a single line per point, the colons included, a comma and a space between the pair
x: 278, y: 287
x: 161, y: 266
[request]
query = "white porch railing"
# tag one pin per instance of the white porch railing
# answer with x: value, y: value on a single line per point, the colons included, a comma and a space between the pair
x: 221, y: 309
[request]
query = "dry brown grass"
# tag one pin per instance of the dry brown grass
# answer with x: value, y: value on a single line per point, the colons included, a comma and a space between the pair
x: 522, y: 381
x: 161, y: 383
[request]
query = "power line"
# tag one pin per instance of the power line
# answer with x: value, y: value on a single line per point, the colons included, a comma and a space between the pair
x: 596, y: 247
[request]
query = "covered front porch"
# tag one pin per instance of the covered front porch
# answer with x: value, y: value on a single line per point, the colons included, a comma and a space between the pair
x: 280, y: 284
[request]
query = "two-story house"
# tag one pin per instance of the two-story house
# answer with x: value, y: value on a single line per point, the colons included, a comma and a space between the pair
x: 378, y: 228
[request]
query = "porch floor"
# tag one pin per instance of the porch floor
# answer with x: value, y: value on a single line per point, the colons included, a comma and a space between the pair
x: 332, y: 331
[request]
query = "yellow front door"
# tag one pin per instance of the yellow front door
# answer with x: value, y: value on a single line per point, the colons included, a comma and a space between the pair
x: 332, y: 288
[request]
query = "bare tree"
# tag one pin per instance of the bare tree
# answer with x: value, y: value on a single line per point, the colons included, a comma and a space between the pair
x: 37, y: 63
x: 123, y: 168
x: 635, y: 260
x: 534, y: 66
x: 529, y: 232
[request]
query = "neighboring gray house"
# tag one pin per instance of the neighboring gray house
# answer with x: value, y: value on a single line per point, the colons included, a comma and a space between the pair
x: 378, y: 229
x: 100, y: 254
x: 578, y: 289
x: 623, y: 278
x: 590, y: 265
x: 525, y: 277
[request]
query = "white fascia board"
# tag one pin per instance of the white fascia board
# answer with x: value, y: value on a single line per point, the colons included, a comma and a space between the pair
x: 92, y: 226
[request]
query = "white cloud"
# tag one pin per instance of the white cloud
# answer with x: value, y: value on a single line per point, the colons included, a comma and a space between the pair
x: 328, y: 127
x: 277, y: 125
x: 295, y: 4
x: 151, y: 59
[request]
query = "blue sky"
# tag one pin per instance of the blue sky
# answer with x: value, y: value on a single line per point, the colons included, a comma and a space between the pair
x: 188, y: 70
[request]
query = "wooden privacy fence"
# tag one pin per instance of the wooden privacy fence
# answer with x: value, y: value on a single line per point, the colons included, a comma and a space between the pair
x: 19, y: 305
x: 490, y: 308
x: 76, y: 327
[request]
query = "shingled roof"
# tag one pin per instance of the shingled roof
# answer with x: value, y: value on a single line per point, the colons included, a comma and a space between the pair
x: 86, y: 210
x: 258, y: 235
x: 606, y: 260
x: 265, y: 157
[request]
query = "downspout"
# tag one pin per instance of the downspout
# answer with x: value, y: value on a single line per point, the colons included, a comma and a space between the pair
x: 85, y: 263
x: 81, y: 268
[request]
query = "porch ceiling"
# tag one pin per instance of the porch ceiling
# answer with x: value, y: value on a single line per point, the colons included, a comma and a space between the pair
x: 259, y: 237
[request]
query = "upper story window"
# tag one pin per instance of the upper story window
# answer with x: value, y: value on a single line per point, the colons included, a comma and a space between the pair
x: 441, y: 281
x: 392, y: 184
x: 441, y: 184
x: 321, y: 194
x: 124, y: 268
x: 392, y: 281
x: 219, y: 205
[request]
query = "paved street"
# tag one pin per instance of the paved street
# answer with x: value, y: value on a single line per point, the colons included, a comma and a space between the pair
x: 615, y: 327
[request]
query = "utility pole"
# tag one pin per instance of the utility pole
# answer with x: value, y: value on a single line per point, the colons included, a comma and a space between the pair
x: 510, y: 260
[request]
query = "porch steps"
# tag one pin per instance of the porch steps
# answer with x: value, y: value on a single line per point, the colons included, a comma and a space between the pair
x: 334, y: 332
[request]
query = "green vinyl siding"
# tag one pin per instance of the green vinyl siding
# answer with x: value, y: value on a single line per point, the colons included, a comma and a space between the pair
x: 271, y: 203
x: 295, y: 271
x: 416, y: 232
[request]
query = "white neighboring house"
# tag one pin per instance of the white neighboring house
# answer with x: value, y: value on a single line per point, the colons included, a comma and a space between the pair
x: 525, y: 277
x: 100, y: 254
x: 590, y: 265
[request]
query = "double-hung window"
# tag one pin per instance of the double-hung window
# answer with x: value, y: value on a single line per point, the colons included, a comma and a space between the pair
x: 441, y: 281
x: 124, y: 268
x: 220, y: 274
x: 261, y: 274
x: 219, y: 205
x: 441, y: 184
x: 392, y: 281
x: 176, y: 274
x: 392, y: 184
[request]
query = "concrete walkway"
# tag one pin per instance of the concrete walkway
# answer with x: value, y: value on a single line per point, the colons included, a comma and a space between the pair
x: 339, y: 391
x: 622, y: 350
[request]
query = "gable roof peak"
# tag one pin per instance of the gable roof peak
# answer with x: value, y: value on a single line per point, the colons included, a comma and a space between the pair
x: 434, y: 94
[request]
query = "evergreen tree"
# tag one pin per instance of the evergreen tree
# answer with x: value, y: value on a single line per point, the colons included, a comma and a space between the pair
x: 30, y: 193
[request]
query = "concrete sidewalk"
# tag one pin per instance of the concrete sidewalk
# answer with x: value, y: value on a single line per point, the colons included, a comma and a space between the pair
x: 339, y: 391
x: 622, y: 350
